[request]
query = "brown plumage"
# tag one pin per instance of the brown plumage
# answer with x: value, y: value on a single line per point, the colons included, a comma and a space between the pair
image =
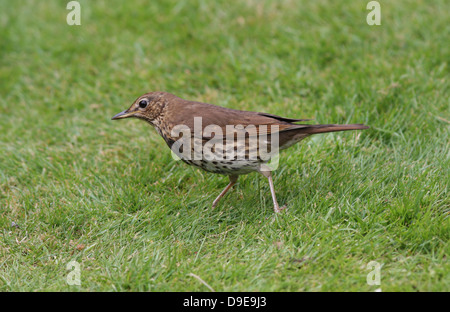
x: 167, y: 113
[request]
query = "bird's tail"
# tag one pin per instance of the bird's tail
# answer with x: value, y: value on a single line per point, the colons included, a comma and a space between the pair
x: 313, y: 129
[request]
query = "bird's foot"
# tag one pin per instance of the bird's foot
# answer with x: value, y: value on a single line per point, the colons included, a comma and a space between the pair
x: 280, y: 209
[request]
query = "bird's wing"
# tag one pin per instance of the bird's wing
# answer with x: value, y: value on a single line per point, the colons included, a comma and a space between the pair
x: 216, y: 121
x: 283, y: 118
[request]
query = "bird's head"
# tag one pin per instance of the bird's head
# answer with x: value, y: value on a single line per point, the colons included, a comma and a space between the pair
x: 148, y: 107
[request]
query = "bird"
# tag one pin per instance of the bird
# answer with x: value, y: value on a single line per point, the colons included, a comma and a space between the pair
x: 222, y: 140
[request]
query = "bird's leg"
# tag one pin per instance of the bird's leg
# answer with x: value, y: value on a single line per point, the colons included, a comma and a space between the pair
x: 233, y: 180
x: 268, y: 175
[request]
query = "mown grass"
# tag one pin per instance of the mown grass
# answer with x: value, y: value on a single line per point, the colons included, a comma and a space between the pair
x: 109, y: 196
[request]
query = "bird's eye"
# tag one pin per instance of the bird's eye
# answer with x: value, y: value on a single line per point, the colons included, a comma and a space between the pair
x: 143, y: 103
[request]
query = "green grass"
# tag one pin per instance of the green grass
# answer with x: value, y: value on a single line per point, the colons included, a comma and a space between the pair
x: 108, y: 194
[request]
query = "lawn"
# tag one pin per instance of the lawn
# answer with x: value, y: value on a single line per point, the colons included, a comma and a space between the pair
x: 76, y: 186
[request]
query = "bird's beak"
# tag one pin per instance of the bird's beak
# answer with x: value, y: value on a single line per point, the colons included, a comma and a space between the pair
x: 124, y: 114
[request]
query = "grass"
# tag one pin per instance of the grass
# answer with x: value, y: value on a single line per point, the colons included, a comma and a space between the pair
x: 109, y: 196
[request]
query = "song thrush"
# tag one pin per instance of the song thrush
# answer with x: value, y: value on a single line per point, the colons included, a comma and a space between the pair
x: 239, y: 139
